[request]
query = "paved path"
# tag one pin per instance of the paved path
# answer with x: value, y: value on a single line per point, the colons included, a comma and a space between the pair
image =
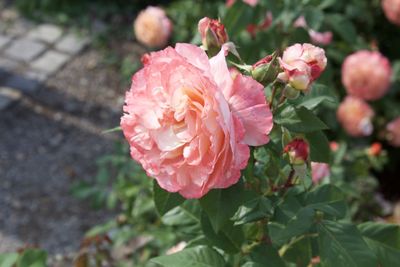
x: 55, y: 99
x: 30, y: 54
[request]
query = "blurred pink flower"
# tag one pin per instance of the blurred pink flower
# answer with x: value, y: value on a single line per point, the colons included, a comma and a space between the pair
x: 178, y: 247
x: 302, y: 64
x: 212, y: 32
x: 355, y: 115
x: 366, y: 74
x: 321, y: 38
x: 152, y: 27
x: 190, y: 124
x: 375, y: 149
x: 319, y: 171
x: 391, y: 8
x: 393, y: 135
x: 229, y: 3
x: 252, y: 29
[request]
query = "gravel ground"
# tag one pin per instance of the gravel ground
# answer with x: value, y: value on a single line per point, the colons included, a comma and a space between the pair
x: 46, y: 143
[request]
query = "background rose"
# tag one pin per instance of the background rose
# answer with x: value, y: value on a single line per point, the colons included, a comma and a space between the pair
x: 190, y: 124
x: 366, y: 74
x: 152, y: 27
x: 391, y: 8
x: 319, y: 171
x: 355, y: 116
x: 393, y: 129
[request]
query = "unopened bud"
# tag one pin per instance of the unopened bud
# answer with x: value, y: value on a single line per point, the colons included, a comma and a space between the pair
x: 298, y: 151
x: 213, y: 34
x: 266, y: 70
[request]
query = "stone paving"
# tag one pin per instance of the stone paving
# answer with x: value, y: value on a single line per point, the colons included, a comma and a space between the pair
x: 30, y: 54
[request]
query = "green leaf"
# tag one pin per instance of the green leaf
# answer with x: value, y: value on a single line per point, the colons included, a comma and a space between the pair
x: 164, y: 200
x: 229, y: 238
x: 318, y: 94
x: 265, y: 255
x: 341, y: 244
x: 253, y: 210
x: 299, y: 252
x: 387, y: 256
x: 396, y: 70
x: 8, y: 259
x: 200, y: 256
x: 342, y: 26
x: 388, y: 234
x: 221, y: 204
x: 188, y: 213
x: 299, y: 120
x: 319, y: 147
x: 33, y: 258
x: 237, y: 18
x: 299, y: 224
x: 327, y: 198
x: 314, y: 18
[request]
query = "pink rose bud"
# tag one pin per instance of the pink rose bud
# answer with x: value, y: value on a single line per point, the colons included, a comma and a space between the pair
x: 393, y: 132
x: 334, y: 146
x: 319, y: 171
x: 366, y: 74
x: 266, y: 69
x: 298, y: 151
x: 152, y: 27
x: 189, y: 123
x: 375, y: 149
x: 355, y: 116
x: 302, y: 64
x: 213, y: 34
x: 391, y: 8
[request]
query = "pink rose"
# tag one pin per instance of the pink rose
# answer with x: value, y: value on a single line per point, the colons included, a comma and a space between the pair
x: 253, y: 3
x: 393, y: 135
x: 391, y: 8
x: 212, y: 32
x: 355, y: 115
x: 152, y: 27
x: 319, y: 171
x: 321, y: 38
x: 366, y: 74
x: 302, y: 64
x: 190, y: 124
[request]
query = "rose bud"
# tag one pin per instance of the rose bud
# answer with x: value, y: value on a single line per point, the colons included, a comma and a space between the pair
x: 319, y: 171
x: 152, y: 27
x: 375, y: 149
x: 298, y: 151
x: 391, y: 8
x: 355, y: 116
x: 366, y: 74
x: 393, y: 132
x: 265, y: 70
x: 213, y: 34
x: 334, y: 146
x: 302, y: 64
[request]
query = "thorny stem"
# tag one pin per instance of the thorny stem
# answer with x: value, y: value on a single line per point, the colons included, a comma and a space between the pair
x: 274, y: 89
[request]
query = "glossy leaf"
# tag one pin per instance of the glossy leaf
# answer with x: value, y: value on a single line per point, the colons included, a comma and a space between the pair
x: 200, y: 256
x: 319, y: 147
x: 164, y: 200
x: 341, y: 244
